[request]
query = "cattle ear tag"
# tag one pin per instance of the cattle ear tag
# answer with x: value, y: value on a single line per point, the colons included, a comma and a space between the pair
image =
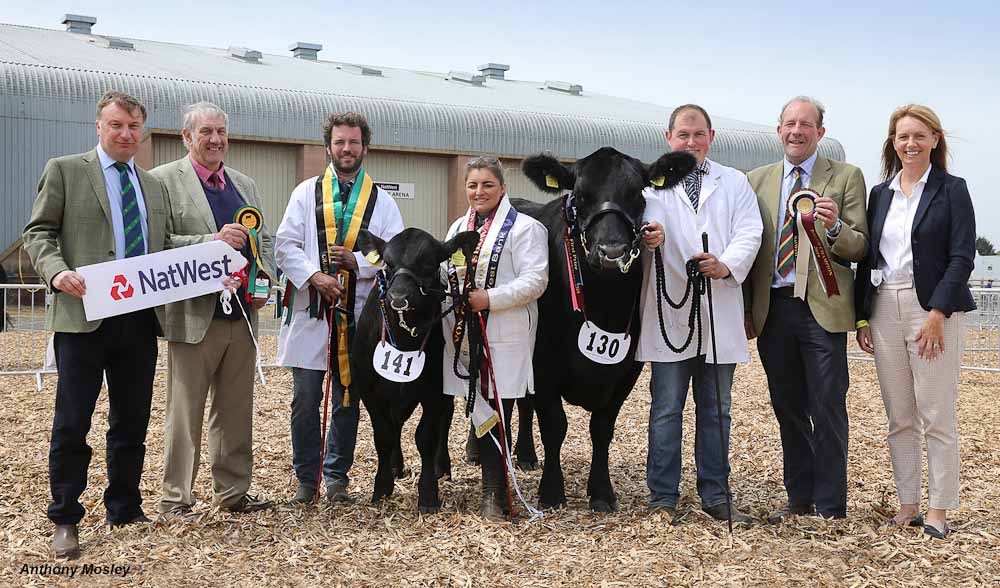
x: 458, y: 258
x: 373, y: 258
x: 551, y: 181
x: 658, y: 181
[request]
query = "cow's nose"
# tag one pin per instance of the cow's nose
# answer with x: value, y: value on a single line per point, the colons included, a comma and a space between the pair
x: 611, y: 251
x: 398, y: 301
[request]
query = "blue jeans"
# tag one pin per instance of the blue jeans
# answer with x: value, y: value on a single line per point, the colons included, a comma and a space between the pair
x: 307, y: 404
x: 669, y: 387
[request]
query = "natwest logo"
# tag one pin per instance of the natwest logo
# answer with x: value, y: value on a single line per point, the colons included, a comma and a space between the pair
x: 121, y: 288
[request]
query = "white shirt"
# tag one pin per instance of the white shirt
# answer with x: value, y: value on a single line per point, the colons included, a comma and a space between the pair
x: 895, y: 248
x: 302, y: 343
x: 728, y: 212
x: 113, y: 184
x: 787, y: 181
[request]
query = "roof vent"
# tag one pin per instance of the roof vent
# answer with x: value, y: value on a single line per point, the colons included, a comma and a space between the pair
x: 574, y: 89
x: 247, y: 55
x: 302, y: 50
x: 77, y: 23
x: 493, y: 71
x: 360, y: 70
x: 114, y: 43
x: 465, y: 77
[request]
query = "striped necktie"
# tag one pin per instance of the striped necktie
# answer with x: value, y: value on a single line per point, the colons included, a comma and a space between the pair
x: 692, y: 183
x: 130, y: 214
x: 786, y: 241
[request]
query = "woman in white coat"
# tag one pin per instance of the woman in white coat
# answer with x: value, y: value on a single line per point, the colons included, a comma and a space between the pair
x: 511, y: 271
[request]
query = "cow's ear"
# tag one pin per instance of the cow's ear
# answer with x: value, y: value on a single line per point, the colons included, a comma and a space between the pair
x: 548, y: 173
x: 464, y: 242
x: 371, y: 246
x: 670, y: 169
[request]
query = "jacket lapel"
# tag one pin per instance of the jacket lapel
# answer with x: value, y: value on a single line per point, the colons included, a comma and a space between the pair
x: 772, y: 188
x: 884, y: 200
x: 822, y: 173
x: 96, y: 175
x: 196, y: 194
x: 934, y: 181
x: 709, y: 183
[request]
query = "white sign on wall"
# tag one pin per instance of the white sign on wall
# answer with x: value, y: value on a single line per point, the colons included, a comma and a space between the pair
x: 397, y: 190
x: 145, y: 281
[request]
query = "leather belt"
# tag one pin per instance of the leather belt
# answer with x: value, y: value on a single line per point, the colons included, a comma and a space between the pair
x: 783, y: 292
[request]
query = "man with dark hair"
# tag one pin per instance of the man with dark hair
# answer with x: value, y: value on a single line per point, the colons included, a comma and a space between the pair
x: 327, y: 283
x: 94, y: 207
x: 717, y: 200
x: 802, y: 309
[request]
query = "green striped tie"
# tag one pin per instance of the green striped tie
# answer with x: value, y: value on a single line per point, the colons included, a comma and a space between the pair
x: 786, y: 242
x: 130, y: 214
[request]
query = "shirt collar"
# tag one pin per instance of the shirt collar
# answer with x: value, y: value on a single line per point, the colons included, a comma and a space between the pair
x: 807, y: 166
x: 107, y: 161
x: 204, y: 173
x: 895, y: 184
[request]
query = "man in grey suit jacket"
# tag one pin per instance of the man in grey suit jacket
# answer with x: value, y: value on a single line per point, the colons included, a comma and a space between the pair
x: 95, y: 207
x: 208, y: 347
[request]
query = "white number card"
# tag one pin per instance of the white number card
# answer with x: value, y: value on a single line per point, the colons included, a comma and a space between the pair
x: 600, y: 346
x: 395, y: 365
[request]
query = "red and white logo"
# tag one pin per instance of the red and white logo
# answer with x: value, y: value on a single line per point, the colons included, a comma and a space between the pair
x: 121, y: 288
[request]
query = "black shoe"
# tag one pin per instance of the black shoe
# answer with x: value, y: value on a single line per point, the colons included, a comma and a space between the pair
x: 247, y: 504
x: 933, y: 531
x: 788, y: 510
x: 304, y: 495
x: 66, y: 542
x: 493, y: 507
x: 917, y: 521
x: 719, y: 512
x: 137, y: 520
x: 337, y: 492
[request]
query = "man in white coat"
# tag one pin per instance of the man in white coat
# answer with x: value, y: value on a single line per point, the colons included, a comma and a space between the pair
x: 326, y: 276
x: 717, y: 200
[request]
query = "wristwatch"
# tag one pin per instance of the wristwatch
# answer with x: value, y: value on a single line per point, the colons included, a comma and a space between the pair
x: 834, y: 231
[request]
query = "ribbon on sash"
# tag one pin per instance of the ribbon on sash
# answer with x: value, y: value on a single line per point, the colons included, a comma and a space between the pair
x: 338, y: 223
x: 570, y: 233
x: 803, y: 205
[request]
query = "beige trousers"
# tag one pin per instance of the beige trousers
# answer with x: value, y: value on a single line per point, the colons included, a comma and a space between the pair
x: 223, y: 363
x: 920, y: 396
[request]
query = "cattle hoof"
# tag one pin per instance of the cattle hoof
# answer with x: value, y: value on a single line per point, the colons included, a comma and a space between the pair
x: 601, y: 505
x: 527, y: 465
x: 429, y: 509
x: 553, y: 504
x: 444, y: 474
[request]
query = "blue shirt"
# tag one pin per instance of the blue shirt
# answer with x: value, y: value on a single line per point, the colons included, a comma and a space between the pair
x: 787, y: 181
x: 113, y: 184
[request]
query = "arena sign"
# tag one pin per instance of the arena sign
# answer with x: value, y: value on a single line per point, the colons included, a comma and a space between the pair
x: 135, y: 283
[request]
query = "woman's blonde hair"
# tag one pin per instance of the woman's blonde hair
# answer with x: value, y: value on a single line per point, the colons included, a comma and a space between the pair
x: 890, y: 159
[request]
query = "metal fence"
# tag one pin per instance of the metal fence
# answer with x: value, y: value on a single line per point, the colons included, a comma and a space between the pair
x: 25, y: 344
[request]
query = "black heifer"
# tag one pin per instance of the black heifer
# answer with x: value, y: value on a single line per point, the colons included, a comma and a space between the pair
x: 413, y: 295
x: 607, y: 195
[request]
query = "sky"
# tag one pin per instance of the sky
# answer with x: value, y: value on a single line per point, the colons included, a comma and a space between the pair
x: 739, y: 60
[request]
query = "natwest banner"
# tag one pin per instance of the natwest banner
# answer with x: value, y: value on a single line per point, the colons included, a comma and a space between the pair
x: 145, y: 281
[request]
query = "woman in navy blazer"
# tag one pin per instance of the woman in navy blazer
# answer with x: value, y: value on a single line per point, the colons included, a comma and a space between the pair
x: 913, y: 288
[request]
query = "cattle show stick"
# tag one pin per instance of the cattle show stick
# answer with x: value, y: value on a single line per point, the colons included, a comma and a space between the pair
x: 326, y: 402
x: 718, y: 393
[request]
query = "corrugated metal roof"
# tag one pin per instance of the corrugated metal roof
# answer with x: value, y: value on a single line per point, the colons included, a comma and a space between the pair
x: 284, y: 97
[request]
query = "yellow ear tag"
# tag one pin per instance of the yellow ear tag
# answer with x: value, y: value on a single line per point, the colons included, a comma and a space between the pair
x: 658, y: 181
x: 551, y: 181
x: 373, y: 258
x: 458, y: 258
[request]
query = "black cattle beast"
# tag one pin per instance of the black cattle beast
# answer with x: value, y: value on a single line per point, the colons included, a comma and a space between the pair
x: 601, y: 221
x: 404, y: 310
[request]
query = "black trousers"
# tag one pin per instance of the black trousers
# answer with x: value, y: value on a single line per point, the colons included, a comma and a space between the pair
x: 123, y: 347
x: 807, y: 376
x: 491, y: 462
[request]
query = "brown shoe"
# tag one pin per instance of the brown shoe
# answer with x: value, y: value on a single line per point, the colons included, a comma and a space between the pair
x: 66, y: 542
x: 182, y: 513
x: 247, y: 504
x: 788, y: 510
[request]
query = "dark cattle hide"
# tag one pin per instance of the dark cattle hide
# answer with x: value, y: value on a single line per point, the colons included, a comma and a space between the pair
x: 607, y: 192
x: 412, y: 267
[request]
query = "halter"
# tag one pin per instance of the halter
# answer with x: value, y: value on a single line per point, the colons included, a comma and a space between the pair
x: 572, y: 218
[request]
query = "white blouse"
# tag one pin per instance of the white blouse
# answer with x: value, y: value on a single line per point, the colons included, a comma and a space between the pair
x: 895, y: 248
